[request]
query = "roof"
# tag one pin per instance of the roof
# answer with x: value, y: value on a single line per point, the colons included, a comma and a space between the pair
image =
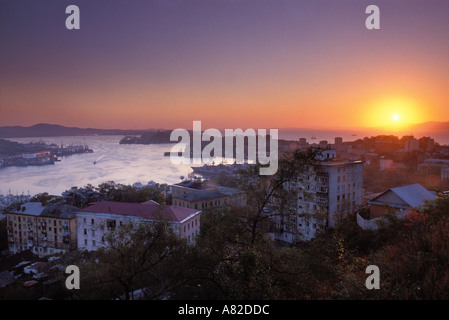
x: 413, y: 195
x: 53, y: 210
x: 29, y: 208
x: 11, y: 261
x: 229, y: 191
x: 196, y: 185
x: 333, y: 162
x: 148, y: 210
x: 62, y: 211
x: 202, y: 195
x: 6, y: 278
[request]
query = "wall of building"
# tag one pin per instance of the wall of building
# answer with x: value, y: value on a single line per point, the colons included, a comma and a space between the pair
x: 323, y: 199
x: 42, y: 235
x: 92, y: 227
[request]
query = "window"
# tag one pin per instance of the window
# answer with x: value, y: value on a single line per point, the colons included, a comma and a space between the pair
x: 92, y: 221
x: 110, y: 224
x: 85, y: 231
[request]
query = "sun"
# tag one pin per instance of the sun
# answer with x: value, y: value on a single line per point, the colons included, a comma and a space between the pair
x: 395, y: 117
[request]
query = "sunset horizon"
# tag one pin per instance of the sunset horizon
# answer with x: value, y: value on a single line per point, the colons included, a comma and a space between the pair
x: 241, y: 64
x: 224, y: 156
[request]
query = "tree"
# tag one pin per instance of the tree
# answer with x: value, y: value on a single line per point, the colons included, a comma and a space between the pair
x: 276, y: 194
x: 139, y: 256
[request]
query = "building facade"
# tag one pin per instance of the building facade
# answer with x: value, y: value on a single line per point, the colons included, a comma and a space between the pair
x: 44, y: 229
x: 94, y: 221
x: 324, y: 197
x: 201, y: 195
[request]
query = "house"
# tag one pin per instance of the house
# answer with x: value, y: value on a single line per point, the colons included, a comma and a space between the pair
x: 94, y: 221
x: 398, y: 200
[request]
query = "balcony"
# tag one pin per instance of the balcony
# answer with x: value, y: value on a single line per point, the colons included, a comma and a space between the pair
x: 322, y: 189
x: 322, y: 201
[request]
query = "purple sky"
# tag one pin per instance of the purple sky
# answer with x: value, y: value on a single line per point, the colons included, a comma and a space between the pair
x: 247, y: 63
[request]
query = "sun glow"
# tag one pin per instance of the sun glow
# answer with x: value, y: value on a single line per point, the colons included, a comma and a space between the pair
x: 393, y: 113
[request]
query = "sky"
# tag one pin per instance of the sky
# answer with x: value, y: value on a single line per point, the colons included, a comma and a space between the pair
x: 228, y: 63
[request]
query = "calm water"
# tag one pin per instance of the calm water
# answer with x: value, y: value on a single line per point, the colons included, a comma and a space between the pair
x: 125, y: 164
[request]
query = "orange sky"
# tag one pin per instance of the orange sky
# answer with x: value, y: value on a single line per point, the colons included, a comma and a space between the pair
x: 293, y: 65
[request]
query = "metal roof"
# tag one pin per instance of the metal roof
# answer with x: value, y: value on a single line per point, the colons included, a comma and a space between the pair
x: 414, y: 195
x: 29, y: 208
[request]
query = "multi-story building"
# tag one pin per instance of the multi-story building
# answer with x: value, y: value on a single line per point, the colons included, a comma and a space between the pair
x: 324, y: 197
x: 202, y: 194
x: 43, y: 229
x: 94, y: 221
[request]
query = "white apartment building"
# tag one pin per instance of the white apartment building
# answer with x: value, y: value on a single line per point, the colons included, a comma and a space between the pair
x: 94, y: 221
x: 324, y: 197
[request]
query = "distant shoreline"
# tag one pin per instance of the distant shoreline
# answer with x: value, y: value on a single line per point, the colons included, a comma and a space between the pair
x: 439, y: 131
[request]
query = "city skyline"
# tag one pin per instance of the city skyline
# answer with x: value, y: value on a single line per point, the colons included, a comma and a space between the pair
x: 248, y: 64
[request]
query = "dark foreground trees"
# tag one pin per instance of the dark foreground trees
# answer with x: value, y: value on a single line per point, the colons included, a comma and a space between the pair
x: 234, y: 258
x: 139, y: 261
x: 226, y: 263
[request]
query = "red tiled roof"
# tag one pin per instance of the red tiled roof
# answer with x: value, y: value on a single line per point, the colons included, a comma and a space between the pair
x: 149, y: 209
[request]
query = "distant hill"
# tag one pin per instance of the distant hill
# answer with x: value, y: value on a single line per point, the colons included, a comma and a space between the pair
x: 431, y: 127
x: 54, y: 130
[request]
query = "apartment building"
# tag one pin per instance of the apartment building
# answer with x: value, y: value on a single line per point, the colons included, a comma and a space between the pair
x: 202, y: 194
x: 324, y: 197
x: 94, y: 221
x: 44, y: 229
